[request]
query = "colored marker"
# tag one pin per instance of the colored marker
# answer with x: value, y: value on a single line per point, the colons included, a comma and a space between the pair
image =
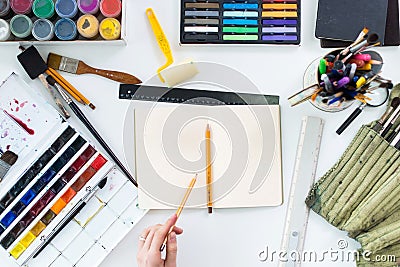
x: 110, y: 29
x: 4, y: 8
x: 202, y: 5
x: 43, y: 8
x: 111, y: 8
x: 279, y: 22
x: 89, y: 6
x: 43, y: 30
x: 240, y: 21
x: 66, y: 8
x: 240, y: 37
x: 279, y: 37
x: 88, y: 26
x: 241, y: 6
x: 65, y: 29
x: 5, y: 31
x: 21, y: 26
x: 21, y: 6
x: 322, y: 66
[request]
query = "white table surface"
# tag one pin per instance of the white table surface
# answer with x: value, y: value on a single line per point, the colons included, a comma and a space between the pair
x: 231, y: 237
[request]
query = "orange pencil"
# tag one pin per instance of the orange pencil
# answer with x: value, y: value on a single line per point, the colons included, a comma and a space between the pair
x: 179, y: 210
x: 209, y: 171
x: 72, y: 88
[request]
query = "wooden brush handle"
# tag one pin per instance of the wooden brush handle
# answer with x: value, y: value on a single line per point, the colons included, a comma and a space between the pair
x: 112, y: 75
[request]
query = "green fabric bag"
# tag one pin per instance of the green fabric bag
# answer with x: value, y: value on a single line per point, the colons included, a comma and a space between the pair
x: 360, y: 194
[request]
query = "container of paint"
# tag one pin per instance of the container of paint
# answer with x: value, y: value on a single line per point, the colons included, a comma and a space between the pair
x: 43, y: 9
x: 65, y: 29
x: 21, y: 26
x: 5, y: 32
x: 66, y: 8
x: 21, y: 6
x: 111, y: 8
x: 4, y: 8
x: 43, y: 30
x: 88, y: 26
x: 110, y: 29
x: 89, y: 6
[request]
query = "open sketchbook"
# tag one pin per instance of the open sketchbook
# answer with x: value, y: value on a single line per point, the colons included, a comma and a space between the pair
x: 56, y: 168
x: 246, y: 153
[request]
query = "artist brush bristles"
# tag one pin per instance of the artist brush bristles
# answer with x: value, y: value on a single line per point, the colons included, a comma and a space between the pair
x: 9, y: 157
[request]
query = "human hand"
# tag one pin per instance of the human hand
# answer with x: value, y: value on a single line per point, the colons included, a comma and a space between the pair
x: 151, y: 240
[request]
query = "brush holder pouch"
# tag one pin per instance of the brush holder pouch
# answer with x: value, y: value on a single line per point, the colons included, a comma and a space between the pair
x: 360, y: 194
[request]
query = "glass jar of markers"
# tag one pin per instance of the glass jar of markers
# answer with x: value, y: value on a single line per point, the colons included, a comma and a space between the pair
x: 60, y: 20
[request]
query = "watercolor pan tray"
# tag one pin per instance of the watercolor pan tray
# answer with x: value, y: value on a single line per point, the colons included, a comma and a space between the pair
x: 56, y: 168
x: 240, y: 22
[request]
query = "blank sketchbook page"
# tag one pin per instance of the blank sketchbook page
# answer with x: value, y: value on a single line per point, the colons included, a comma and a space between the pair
x: 246, y: 153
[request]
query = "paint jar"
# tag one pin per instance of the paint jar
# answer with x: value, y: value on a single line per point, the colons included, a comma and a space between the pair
x: 43, y: 30
x: 111, y: 8
x: 66, y: 8
x: 88, y: 26
x: 89, y: 6
x: 21, y: 26
x: 4, y: 8
x: 110, y: 29
x: 21, y: 6
x: 65, y: 29
x: 5, y: 31
x: 43, y: 9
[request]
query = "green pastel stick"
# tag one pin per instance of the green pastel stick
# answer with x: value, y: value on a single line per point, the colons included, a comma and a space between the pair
x: 240, y: 29
x: 240, y: 37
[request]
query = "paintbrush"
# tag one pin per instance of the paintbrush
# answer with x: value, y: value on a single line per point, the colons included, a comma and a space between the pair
x: 76, y: 66
x: 74, y: 107
x: 7, y: 159
x: 379, y: 125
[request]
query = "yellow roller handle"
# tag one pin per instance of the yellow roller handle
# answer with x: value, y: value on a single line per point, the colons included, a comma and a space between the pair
x: 161, y: 40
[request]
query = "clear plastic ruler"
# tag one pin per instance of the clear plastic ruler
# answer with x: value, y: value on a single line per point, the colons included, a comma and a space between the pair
x: 303, y: 179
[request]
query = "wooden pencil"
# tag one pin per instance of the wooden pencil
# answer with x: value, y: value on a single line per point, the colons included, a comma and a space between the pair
x: 208, y: 169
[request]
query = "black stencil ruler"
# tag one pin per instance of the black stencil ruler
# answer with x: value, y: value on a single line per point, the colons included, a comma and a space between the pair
x: 192, y: 96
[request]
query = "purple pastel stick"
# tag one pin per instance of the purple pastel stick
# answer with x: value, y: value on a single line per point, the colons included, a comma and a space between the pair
x: 279, y: 22
x: 279, y: 37
x: 342, y: 82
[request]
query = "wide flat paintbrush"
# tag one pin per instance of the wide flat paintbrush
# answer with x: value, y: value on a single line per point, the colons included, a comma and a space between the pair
x: 76, y: 66
x: 6, y: 161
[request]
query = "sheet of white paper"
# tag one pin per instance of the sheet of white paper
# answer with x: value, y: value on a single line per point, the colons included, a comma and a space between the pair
x: 246, y: 153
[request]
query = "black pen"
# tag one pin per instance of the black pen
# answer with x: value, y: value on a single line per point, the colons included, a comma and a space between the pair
x: 68, y: 218
x: 74, y: 107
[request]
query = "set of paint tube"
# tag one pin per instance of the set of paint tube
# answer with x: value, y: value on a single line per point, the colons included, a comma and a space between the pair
x: 63, y: 20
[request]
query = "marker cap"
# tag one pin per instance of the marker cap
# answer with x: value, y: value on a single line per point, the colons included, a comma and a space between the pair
x: 89, y: 6
x: 65, y: 29
x: 66, y: 8
x: 43, y: 30
x: 21, y: 6
x: 21, y: 26
x: 5, y: 32
x: 111, y: 8
x: 43, y: 8
x: 110, y: 29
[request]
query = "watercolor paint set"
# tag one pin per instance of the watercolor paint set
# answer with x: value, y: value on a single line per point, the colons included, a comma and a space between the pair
x: 240, y: 22
x: 56, y: 170
x: 62, y: 20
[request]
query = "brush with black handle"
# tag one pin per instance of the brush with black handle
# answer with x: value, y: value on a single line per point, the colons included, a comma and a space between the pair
x: 74, y: 107
x: 76, y: 66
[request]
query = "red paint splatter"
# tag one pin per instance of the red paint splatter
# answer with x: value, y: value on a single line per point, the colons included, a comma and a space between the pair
x: 21, y: 123
x: 23, y: 104
x: 29, y: 120
x: 17, y: 109
x: 34, y: 105
x: 16, y: 101
x: 8, y: 147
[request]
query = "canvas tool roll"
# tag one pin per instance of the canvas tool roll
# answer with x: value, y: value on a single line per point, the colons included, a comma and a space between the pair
x: 360, y: 194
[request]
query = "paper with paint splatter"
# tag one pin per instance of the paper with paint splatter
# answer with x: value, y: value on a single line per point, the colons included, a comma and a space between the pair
x: 25, y: 118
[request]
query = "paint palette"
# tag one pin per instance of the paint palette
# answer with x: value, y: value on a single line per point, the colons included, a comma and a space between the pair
x: 47, y: 185
x: 240, y: 22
